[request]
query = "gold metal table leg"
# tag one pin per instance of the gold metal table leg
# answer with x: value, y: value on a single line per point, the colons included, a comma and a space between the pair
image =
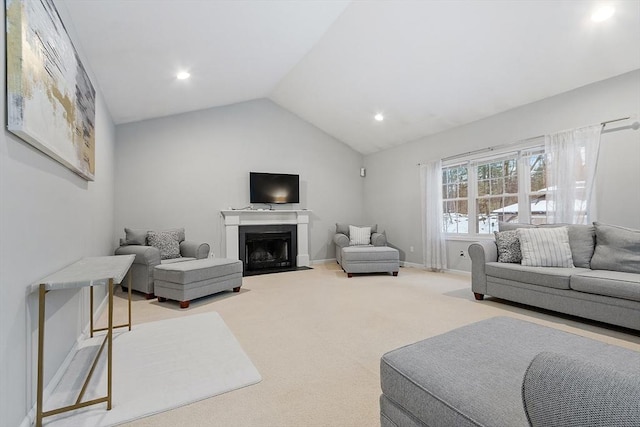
x: 91, y: 311
x: 129, y: 291
x: 110, y: 339
x: 41, y: 297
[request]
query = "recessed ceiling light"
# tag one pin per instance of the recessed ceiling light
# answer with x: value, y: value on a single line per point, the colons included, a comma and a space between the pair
x: 602, y: 13
x: 379, y: 117
x: 182, y: 75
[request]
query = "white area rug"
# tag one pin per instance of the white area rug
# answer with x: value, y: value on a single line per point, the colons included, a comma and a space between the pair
x: 157, y: 366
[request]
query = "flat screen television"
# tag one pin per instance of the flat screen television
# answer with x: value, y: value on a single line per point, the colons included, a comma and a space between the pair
x: 274, y: 188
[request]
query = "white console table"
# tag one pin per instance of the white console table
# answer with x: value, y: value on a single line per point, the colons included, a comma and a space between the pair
x: 233, y: 219
x: 95, y: 271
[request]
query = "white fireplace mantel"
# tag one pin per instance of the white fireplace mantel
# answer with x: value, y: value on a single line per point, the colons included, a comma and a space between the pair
x: 233, y: 219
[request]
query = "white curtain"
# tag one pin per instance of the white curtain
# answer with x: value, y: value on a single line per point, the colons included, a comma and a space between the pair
x: 434, y: 248
x: 572, y: 158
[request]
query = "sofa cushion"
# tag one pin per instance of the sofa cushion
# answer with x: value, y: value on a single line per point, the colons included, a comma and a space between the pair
x: 369, y: 254
x: 551, y: 277
x: 617, y: 248
x: 510, y: 226
x: 167, y: 242
x: 198, y: 270
x: 359, y: 235
x: 582, y: 240
x: 344, y: 228
x: 174, y: 260
x: 545, y: 247
x: 135, y: 236
x: 508, y: 246
x: 615, y: 284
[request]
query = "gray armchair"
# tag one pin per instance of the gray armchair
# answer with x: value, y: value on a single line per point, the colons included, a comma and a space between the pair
x: 375, y: 257
x: 148, y: 257
x: 341, y: 239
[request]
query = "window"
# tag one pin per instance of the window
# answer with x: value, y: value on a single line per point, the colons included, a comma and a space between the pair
x: 480, y: 193
x: 455, y: 185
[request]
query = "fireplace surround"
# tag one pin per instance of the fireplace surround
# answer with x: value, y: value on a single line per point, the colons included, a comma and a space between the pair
x: 267, y: 248
x: 238, y: 221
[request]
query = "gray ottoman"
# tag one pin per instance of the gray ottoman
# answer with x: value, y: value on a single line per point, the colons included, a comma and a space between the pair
x: 370, y: 259
x: 473, y: 376
x: 184, y: 281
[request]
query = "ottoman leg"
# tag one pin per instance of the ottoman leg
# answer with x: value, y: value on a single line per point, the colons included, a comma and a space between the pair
x: 236, y: 289
x: 161, y: 299
x: 184, y: 304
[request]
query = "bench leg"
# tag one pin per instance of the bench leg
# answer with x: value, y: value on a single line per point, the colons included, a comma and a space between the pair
x: 161, y: 299
x: 478, y: 296
x: 236, y: 289
x: 184, y: 304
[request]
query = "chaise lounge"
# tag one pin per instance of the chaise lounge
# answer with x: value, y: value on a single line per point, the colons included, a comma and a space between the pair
x: 364, y: 250
x: 136, y: 242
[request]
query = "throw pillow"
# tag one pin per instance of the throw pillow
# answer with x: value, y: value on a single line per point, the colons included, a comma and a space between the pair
x: 359, y: 235
x: 508, y: 246
x: 344, y: 228
x: 545, y: 247
x: 135, y: 237
x: 168, y: 242
x: 617, y: 248
x: 582, y: 240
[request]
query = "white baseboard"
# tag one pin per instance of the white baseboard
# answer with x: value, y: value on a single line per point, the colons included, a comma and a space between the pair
x: 323, y: 261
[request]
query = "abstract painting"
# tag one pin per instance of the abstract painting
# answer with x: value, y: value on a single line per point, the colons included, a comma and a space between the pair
x: 50, y: 99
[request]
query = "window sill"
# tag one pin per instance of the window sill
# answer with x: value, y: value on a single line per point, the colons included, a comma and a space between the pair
x: 468, y: 237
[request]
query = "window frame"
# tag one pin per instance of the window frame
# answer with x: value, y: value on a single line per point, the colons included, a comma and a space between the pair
x: 521, y: 155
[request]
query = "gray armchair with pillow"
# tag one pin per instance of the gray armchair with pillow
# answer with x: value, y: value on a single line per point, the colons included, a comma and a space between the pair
x: 361, y: 249
x: 153, y: 248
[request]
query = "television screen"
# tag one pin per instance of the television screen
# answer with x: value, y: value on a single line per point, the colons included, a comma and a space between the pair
x: 274, y: 188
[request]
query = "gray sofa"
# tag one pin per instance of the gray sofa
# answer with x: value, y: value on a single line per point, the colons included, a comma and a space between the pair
x: 375, y: 257
x: 604, y: 285
x: 148, y: 257
x: 505, y: 372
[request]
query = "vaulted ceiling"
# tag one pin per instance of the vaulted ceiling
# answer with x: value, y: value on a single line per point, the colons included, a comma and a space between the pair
x: 427, y: 66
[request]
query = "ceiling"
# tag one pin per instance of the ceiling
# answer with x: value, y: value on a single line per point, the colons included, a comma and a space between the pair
x: 426, y: 65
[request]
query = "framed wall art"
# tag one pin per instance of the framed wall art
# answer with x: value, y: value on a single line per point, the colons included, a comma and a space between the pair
x: 50, y: 99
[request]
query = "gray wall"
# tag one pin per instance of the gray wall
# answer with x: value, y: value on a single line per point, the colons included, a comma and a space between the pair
x: 49, y: 218
x: 392, y: 190
x: 180, y: 171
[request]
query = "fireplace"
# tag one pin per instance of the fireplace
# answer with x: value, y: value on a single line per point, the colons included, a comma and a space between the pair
x: 267, y: 248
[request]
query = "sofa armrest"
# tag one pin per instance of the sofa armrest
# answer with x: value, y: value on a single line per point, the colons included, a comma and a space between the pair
x: 194, y: 249
x: 558, y: 390
x: 146, y: 255
x: 341, y: 240
x: 378, y: 239
x: 480, y: 253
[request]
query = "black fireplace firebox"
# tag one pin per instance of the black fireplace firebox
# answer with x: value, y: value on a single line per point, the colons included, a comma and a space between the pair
x: 267, y: 248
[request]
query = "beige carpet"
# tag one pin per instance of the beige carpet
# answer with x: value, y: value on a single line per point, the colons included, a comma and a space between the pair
x: 317, y: 337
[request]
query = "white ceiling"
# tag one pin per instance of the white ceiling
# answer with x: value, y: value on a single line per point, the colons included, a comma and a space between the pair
x: 427, y: 65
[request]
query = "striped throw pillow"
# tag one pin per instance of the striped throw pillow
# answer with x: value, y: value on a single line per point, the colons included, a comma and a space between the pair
x: 545, y: 247
x: 359, y: 235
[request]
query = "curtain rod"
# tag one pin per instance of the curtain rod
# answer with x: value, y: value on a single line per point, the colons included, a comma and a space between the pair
x: 495, y: 147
